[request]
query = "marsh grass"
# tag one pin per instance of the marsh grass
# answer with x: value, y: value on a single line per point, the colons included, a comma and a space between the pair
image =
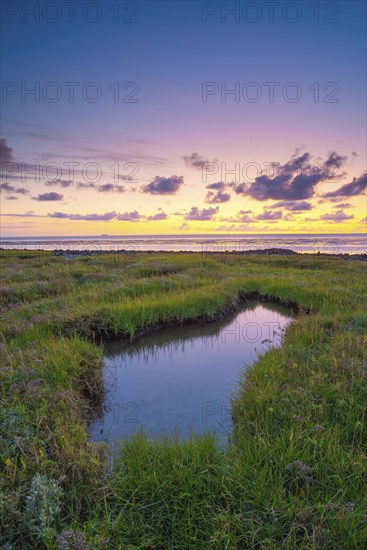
x: 294, y: 475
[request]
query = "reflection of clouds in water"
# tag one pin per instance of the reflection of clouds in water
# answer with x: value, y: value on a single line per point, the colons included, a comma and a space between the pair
x: 235, y: 328
x: 165, y: 376
x: 210, y: 340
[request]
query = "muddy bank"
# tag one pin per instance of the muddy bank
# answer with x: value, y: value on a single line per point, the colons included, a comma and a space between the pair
x: 95, y: 334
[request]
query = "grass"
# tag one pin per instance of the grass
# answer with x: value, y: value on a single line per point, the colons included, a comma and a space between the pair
x: 295, y: 473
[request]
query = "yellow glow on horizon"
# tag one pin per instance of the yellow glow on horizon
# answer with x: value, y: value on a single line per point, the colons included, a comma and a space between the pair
x: 47, y: 228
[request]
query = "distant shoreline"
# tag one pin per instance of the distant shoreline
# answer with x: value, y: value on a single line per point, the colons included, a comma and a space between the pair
x: 309, y: 244
x: 162, y: 236
x: 74, y: 254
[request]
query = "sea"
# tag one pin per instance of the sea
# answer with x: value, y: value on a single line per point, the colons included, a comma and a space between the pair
x: 355, y: 243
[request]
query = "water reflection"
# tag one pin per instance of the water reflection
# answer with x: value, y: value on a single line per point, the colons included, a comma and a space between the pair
x: 179, y: 380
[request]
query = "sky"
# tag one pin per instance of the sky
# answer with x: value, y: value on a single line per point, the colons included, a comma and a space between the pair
x: 179, y: 117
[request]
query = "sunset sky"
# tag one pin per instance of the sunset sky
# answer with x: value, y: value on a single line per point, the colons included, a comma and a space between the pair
x: 183, y: 117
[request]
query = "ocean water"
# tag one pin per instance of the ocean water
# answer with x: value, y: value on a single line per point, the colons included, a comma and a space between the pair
x: 310, y: 243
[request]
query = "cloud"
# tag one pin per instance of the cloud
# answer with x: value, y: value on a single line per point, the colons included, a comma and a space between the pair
x: 334, y: 160
x: 104, y: 188
x: 205, y: 214
x: 270, y: 216
x: 11, y: 198
x: 216, y: 194
x: 355, y: 187
x: 159, y: 216
x: 6, y: 187
x: 223, y: 228
x: 82, y: 185
x: 29, y: 214
x: 6, y: 153
x: 10, y: 189
x: 334, y: 199
x: 133, y: 216
x: 195, y: 160
x: 343, y: 205
x: 243, y: 216
x: 294, y: 206
x: 295, y: 180
x: 108, y: 216
x: 218, y: 186
x: 164, y: 186
x: 239, y: 189
x: 234, y: 227
x: 244, y: 227
x: 49, y: 197
x: 110, y: 187
x: 336, y: 217
x: 85, y: 151
x: 184, y: 227
x: 129, y: 216
x: 62, y: 183
x: 216, y: 198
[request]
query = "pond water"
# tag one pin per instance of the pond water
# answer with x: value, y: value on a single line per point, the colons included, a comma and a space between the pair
x: 178, y: 381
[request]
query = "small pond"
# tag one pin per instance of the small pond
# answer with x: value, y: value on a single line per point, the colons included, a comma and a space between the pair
x: 178, y: 381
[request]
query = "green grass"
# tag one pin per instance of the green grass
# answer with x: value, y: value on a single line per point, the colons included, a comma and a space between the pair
x: 294, y: 475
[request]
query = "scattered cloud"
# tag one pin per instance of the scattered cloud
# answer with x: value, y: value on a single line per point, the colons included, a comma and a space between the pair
x: 49, y: 197
x: 332, y: 199
x: 216, y: 194
x: 355, y: 187
x: 157, y: 217
x: 82, y: 185
x: 10, y: 189
x: 343, y: 205
x: 108, y: 216
x: 29, y: 214
x: 184, y: 227
x: 129, y: 216
x: 62, y: 183
x: 295, y: 180
x: 335, y: 160
x: 196, y: 161
x: 294, y: 206
x: 6, y: 152
x: 104, y: 188
x: 206, y: 214
x: 227, y: 228
x: 111, y: 188
x: 164, y: 186
x: 218, y: 186
x: 270, y: 216
x: 217, y: 198
x: 133, y: 216
x: 336, y: 217
x: 234, y: 227
x: 244, y: 216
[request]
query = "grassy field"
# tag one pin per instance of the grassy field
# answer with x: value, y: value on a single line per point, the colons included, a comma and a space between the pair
x: 294, y: 476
